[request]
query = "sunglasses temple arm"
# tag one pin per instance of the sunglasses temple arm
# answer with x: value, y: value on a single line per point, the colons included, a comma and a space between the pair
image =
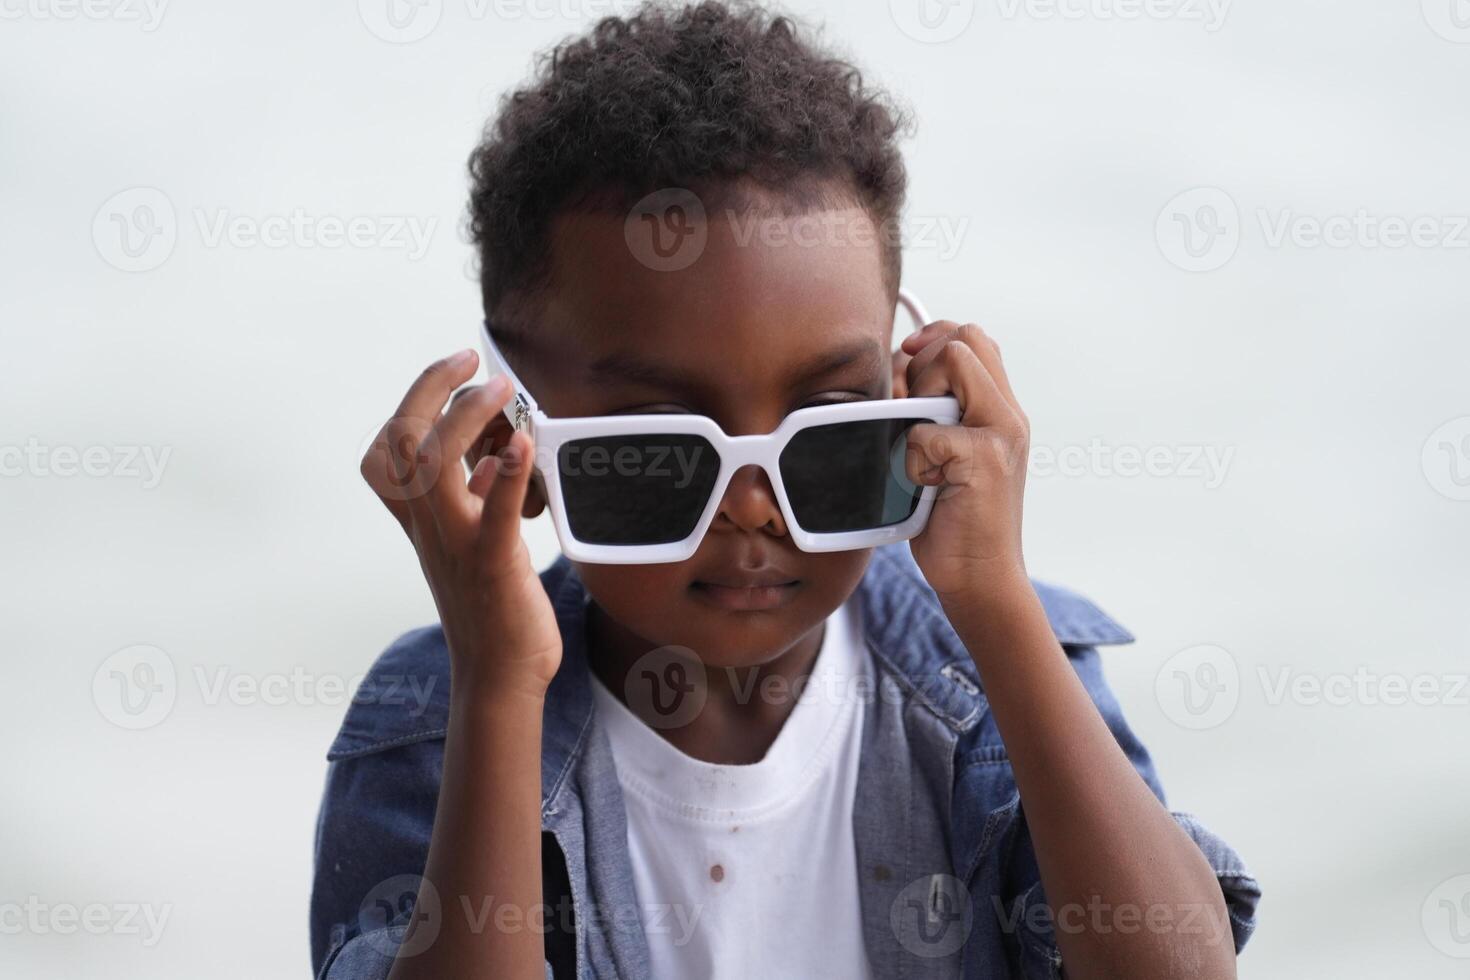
x: 522, y: 406
x: 915, y: 309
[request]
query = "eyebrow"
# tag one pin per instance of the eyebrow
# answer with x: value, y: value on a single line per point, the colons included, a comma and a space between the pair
x: 626, y: 366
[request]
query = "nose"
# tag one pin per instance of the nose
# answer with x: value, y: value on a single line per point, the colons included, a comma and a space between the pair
x: 750, y: 503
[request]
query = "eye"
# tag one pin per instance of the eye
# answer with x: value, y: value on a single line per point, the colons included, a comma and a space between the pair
x: 837, y: 398
x: 662, y: 408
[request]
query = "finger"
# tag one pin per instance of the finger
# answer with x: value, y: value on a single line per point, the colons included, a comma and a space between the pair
x: 930, y: 447
x: 397, y: 467
x: 493, y: 436
x: 413, y: 456
x: 454, y: 508
x: 952, y: 455
x: 985, y: 346
x: 926, y: 335
x: 426, y: 396
x: 936, y: 334
x: 500, y: 518
x: 468, y: 415
x: 988, y: 350
x: 481, y: 478
x: 954, y: 368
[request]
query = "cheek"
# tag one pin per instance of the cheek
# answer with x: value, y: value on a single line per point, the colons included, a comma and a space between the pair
x: 632, y: 592
x: 835, y: 574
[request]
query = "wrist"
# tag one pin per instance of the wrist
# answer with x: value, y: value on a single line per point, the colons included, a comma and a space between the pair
x: 995, y: 619
x: 475, y: 685
x: 993, y: 589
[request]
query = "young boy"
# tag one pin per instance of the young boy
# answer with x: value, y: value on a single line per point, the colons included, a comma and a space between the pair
x: 759, y: 759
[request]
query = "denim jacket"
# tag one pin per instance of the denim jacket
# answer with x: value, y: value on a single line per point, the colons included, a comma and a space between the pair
x: 949, y: 884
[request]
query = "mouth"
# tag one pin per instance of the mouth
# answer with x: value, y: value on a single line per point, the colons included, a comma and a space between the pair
x: 746, y: 592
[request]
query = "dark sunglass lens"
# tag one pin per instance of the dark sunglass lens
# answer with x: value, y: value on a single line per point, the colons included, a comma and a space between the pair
x: 850, y: 476
x: 638, y: 489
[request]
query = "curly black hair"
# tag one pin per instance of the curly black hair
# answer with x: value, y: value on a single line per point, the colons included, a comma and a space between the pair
x: 703, y: 97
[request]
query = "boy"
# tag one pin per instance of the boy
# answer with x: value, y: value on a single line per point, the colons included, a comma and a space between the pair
x: 759, y: 760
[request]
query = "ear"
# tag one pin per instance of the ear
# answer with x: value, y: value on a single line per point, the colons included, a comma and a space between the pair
x: 495, y: 438
x: 901, y: 374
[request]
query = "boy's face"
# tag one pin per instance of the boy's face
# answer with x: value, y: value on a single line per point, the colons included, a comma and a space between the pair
x: 755, y: 328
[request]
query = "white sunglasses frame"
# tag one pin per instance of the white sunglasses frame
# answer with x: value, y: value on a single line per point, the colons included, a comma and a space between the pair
x: 550, y: 434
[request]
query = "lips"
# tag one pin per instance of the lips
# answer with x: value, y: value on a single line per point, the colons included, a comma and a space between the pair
x: 746, y: 590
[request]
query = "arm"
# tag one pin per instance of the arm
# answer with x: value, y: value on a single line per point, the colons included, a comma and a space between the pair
x: 485, y: 852
x: 1102, y: 839
x: 504, y: 648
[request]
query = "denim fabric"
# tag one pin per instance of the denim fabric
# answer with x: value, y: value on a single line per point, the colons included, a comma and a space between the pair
x: 948, y: 875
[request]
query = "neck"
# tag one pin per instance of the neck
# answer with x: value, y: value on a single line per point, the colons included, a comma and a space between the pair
x: 743, y: 707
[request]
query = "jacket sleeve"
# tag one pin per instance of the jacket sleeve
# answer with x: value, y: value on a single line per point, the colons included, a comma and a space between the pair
x: 372, y: 842
x: 1022, y: 893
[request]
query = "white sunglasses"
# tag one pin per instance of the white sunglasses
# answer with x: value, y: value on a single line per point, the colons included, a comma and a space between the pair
x: 641, y: 489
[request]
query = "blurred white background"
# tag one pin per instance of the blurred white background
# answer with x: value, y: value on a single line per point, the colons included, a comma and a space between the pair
x: 193, y: 358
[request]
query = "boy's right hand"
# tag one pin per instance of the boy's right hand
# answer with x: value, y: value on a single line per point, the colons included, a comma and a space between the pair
x: 498, y: 621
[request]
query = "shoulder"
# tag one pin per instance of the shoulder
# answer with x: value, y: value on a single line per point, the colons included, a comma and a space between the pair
x: 912, y: 639
x: 403, y: 698
x: 1075, y: 619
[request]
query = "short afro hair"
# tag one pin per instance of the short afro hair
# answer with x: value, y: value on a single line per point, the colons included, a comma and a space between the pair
x: 703, y: 97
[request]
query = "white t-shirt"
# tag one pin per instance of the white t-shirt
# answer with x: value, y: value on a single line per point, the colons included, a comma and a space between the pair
x: 751, y: 871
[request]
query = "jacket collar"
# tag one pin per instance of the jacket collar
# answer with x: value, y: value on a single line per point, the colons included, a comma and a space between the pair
x: 903, y: 625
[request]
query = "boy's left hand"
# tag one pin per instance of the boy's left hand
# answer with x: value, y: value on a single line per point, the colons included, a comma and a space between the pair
x: 971, y: 547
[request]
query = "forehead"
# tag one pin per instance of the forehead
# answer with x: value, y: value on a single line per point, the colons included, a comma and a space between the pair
x: 767, y: 295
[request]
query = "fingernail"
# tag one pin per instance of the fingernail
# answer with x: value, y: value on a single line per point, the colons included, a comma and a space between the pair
x: 462, y: 356
x: 496, y: 386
